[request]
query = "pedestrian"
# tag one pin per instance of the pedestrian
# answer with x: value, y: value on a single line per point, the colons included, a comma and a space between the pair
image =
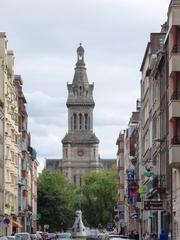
x: 136, y: 235
x: 131, y: 235
x: 163, y: 235
x: 143, y: 236
x: 146, y: 236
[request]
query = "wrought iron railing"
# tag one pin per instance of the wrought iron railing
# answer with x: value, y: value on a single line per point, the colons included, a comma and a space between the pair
x: 176, y: 48
x: 159, y: 182
x: 175, y: 140
x: 175, y: 95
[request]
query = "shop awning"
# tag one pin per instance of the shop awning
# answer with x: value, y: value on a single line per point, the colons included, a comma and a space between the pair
x: 16, y: 224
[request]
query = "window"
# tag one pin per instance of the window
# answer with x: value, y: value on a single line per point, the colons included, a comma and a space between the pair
x: 86, y: 121
x: 80, y: 91
x: 74, y: 179
x: 80, y: 181
x: 94, y: 153
x: 80, y: 121
x: 75, y: 120
x: 71, y: 123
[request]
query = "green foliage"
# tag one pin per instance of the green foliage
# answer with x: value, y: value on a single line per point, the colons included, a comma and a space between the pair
x: 99, y: 196
x: 55, y: 200
x: 1, y: 104
x: 58, y: 200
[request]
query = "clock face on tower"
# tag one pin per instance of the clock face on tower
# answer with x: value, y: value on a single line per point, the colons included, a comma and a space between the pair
x: 80, y: 152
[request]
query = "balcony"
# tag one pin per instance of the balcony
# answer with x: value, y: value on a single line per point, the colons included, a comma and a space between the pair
x: 24, y: 173
x: 175, y: 96
x: 174, y: 152
x: 174, y: 18
x: 175, y: 140
x: 174, y: 106
x: 176, y: 49
x: 174, y: 61
x: 156, y: 185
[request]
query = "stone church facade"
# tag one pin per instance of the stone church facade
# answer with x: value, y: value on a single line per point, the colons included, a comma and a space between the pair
x: 80, y: 144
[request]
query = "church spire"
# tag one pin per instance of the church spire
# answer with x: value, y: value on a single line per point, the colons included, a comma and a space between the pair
x: 80, y: 55
x: 80, y: 75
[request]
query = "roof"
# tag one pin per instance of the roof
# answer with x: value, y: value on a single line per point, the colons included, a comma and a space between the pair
x: 82, y: 137
x: 145, y: 55
x: 108, y: 162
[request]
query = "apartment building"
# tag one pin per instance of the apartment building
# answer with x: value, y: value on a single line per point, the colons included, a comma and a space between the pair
x: 151, y: 142
x: 9, y: 99
x: 33, y: 176
x: 128, y: 175
x: 120, y: 165
x: 18, y: 163
x: 24, y: 215
x: 160, y: 123
x: 28, y: 164
x: 173, y: 43
x: 1, y: 157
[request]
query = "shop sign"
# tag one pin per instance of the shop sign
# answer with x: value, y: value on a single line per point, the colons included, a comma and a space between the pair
x: 148, y: 174
x: 153, y: 205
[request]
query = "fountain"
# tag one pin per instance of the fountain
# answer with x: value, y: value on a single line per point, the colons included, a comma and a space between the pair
x: 78, y: 229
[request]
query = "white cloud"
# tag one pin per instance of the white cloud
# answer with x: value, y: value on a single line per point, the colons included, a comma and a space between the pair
x: 114, y: 34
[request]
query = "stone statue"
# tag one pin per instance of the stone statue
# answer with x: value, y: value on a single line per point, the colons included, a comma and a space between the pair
x: 78, y: 229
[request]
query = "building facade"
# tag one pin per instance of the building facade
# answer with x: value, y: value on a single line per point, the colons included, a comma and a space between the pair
x: 11, y: 134
x: 157, y: 142
x: 128, y: 176
x: 172, y: 41
x: 1, y: 157
x: 27, y: 199
x: 18, y: 193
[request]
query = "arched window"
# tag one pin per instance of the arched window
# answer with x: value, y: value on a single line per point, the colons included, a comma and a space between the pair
x: 80, y: 91
x: 66, y: 152
x: 71, y: 123
x: 75, y: 120
x: 74, y: 179
x: 80, y: 121
x: 86, y: 120
x: 80, y: 181
x: 94, y: 152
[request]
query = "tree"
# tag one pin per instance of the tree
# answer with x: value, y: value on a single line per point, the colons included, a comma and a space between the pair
x: 55, y: 200
x: 99, y: 196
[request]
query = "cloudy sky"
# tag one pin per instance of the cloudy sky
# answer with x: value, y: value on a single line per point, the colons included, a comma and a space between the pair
x: 44, y: 34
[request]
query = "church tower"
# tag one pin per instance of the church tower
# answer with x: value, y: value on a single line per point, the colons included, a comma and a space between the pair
x: 80, y: 145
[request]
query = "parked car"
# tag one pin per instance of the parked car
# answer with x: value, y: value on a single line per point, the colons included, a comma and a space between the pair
x: 34, y: 236
x: 39, y: 236
x: 115, y: 236
x: 64, y: 236
x: 22, y: 236
x: 51, y: 236
x: 11, y: 237
x: 3, y: 238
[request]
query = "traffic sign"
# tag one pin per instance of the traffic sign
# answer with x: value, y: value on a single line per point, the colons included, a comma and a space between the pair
x: 6, y: 221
